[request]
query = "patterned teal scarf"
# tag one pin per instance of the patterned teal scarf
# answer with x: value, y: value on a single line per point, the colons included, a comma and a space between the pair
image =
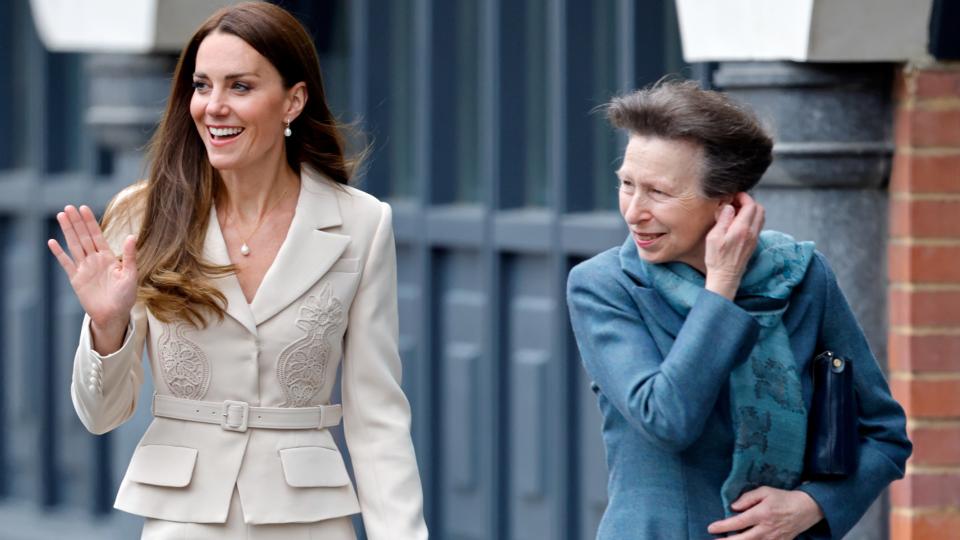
x: 766, y: 403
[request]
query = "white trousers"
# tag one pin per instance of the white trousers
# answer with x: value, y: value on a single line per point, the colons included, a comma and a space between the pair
x: 340, y: 528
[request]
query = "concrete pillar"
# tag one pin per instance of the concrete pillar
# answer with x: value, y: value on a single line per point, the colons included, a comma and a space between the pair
x: 831, y: 127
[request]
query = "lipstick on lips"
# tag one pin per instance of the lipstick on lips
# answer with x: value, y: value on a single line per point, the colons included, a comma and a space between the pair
x: 644, y: 240
x: 223, y: 135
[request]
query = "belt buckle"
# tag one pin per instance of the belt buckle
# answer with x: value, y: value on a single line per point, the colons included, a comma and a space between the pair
x: 227, y: 424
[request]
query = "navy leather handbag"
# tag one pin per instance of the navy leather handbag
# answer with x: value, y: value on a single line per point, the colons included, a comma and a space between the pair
x: 832, y: 437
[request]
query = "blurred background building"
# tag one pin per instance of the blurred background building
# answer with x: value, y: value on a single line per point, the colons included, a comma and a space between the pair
x: 486, y: 142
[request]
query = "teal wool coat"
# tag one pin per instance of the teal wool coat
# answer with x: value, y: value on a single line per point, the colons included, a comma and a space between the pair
x: 666, y: 418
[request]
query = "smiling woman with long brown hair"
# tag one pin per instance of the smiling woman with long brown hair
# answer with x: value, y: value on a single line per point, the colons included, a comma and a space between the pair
x: 248, y: 270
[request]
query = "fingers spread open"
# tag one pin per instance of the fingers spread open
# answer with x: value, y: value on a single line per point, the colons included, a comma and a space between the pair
x: 62, y: 258
x: 73, y: 240
x: 90, y: 222
x: 81, y: 229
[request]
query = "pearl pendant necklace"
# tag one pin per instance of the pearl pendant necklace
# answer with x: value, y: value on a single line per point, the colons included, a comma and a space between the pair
x: 244, y: 248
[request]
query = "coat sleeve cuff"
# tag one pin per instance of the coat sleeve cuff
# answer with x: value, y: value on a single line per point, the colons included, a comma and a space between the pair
x: 124, y: 348
x: 105, y: 370
x: 834, y: 523
x: 710, y: 306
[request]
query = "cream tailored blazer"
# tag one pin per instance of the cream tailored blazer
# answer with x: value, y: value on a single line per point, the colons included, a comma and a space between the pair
x: 328, y: 300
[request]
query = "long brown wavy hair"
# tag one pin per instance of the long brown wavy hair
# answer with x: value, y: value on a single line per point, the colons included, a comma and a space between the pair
x: 173, y: 204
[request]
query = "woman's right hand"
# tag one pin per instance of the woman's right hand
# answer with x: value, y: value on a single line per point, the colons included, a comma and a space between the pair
x: 731, y: 243
x: 105, y: 284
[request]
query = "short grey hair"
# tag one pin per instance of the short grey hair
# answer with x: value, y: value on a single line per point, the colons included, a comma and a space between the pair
x: 736, y: 148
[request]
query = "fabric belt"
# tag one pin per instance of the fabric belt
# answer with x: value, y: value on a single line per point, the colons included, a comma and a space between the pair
x: 239, y: 415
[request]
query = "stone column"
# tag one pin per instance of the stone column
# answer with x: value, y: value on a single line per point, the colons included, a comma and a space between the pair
x: 832, y: 153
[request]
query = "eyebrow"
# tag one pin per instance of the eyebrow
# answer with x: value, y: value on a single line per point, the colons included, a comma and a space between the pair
x: 200, y: 75
x: 658, y: 183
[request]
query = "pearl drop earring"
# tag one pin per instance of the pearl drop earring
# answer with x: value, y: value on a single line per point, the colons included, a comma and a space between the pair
x: 287, y: 131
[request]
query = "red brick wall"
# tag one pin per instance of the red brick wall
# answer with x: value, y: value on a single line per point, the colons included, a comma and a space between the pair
x: 924, y: 299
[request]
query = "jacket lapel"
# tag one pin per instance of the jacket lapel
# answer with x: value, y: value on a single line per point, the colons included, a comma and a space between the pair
x: 648, y: 301
x: 308, y: 251
x: 215, y: 252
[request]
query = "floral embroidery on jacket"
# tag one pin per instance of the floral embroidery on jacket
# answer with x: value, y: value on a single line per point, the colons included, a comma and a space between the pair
x: 183, y: 364
x: 302, y: 365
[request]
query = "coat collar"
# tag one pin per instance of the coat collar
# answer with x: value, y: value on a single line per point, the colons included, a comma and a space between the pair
x: 307, y: 253
x: 647, y: 299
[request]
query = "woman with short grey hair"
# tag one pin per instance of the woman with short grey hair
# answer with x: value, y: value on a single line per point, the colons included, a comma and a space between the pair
x: 699, y: 333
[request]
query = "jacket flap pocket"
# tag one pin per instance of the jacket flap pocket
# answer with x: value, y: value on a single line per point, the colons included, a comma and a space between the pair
x: 161, y: 465
x: 313, y: 466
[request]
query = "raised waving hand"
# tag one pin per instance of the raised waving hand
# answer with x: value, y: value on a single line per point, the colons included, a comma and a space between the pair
x: 105, y: 285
